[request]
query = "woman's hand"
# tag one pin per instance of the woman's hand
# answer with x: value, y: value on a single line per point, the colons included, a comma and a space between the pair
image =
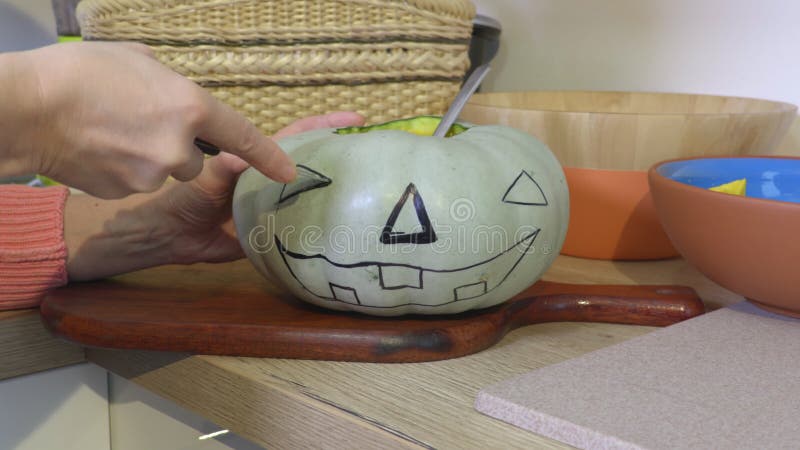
x: 110, y: 120
x: 183, y: 223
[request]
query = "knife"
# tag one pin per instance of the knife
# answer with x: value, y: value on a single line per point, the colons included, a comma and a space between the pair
x: 206, y: 147
x: 469, y: 88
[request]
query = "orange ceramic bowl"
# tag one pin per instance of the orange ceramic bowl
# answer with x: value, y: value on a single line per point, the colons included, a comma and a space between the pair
x: 747, y: 244
x: 612, y: 216
x: 606, y: 141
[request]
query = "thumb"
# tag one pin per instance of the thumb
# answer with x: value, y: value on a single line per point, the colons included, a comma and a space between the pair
x: 220, y: 173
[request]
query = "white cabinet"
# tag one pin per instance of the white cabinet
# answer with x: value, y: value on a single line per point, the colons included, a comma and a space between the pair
x: 143, y: 420
x: 83, y: 407
x: 59, y: 409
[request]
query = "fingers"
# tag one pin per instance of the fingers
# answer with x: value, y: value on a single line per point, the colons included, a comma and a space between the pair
x: 331, y: 120
x: 220, y: 173
x: 232, y: 133
x: 192, y: 167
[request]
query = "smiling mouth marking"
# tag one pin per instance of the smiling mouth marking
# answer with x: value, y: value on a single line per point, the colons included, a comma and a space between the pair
x: 393, y: 276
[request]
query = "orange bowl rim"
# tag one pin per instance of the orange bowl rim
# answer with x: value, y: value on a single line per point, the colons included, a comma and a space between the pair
x: 653, y: 174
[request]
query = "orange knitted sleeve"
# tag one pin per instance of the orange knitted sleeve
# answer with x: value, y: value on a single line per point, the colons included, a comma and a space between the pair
x: 32, y: 251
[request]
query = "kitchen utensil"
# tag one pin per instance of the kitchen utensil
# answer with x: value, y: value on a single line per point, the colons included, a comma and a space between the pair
x: 485, y: 41
x: 466, y: 91
x: 606, y: 141
x: 229, y: 309
x: 64, y: 13
x: 206, y: 147
x: 747, y: 244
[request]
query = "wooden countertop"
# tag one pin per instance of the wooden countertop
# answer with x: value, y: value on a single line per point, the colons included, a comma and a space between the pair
x: 282, y: 403
x: 26, y: 347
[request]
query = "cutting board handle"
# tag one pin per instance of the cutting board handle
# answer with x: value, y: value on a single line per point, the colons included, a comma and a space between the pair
x: 652, y: 305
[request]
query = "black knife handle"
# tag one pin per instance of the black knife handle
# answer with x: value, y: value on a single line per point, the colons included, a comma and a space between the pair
x: 206, y: 147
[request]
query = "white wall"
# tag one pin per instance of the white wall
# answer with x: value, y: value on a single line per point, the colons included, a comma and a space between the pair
x: 728, y: 47
x: 142, y: 420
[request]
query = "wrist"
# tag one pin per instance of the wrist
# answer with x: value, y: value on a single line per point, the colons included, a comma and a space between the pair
x: 22, y: 114
x: 111, y: 237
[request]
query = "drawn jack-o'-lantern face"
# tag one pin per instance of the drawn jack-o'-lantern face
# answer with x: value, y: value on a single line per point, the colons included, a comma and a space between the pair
x: 387, y: 222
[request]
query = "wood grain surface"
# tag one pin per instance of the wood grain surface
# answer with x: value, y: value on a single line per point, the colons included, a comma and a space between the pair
x: 26, y: 347
x: 634, y: 130
x: 229, y: 309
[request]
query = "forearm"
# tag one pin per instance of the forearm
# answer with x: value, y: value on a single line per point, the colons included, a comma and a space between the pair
x: 110, y: 237
x: 20, y: 114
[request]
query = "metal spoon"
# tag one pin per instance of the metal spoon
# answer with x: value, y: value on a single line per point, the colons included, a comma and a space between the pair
x: 469, y: 88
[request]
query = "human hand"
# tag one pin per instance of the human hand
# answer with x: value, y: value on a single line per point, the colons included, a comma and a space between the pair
x: 183, y: 223
x: 200, y: 211
x: 111, y: 121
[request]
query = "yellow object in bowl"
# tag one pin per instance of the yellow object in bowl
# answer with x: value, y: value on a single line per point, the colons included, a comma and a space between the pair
x: 736, y: 187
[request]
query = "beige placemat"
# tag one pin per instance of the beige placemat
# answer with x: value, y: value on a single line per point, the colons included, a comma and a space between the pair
x: 729, y: 379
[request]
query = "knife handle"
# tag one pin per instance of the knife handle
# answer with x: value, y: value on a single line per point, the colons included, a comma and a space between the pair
x: 206, y: 147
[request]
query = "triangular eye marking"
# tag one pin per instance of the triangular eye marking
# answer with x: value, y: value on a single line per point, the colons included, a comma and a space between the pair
x: 525, y: 191
x: 307, y: 179
x: 426, y: 234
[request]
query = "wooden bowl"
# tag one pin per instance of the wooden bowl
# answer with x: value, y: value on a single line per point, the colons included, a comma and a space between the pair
x: 747, y: 244
x: 606, y: 141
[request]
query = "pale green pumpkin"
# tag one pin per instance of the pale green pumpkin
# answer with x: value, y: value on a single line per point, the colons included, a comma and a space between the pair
x: 386, y: 222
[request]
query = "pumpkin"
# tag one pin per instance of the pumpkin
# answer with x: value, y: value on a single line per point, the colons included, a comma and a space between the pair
x: 388, y: 220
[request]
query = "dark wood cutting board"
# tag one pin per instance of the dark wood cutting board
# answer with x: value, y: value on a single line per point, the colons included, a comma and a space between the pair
x: 229, y: 309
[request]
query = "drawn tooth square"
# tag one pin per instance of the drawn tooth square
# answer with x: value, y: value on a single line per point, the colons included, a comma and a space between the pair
x: 398, y: 277
x: 469, y: 291
x: 344, y: 294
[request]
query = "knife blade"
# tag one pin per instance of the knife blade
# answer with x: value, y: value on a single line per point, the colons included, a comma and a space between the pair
x: 469, y: 88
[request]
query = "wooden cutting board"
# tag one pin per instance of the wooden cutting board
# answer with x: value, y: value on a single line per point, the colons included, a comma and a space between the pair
x: 229, y: 309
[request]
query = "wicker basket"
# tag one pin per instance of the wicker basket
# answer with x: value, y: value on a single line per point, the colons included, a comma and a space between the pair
x: 276, y: 61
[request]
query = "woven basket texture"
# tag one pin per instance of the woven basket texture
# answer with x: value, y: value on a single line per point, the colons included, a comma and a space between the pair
x: 276, y: 61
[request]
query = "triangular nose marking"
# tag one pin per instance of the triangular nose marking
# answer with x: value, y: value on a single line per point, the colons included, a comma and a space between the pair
x: 525, y: 191
x: 424, y: 236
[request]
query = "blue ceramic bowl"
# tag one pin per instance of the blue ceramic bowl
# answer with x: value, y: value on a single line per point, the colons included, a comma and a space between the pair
x: 747, y: 244
x: 771, y: 178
